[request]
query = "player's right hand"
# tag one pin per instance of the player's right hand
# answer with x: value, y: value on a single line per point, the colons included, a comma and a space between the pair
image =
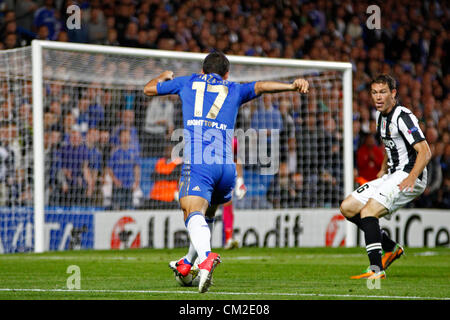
x: 166, y: 75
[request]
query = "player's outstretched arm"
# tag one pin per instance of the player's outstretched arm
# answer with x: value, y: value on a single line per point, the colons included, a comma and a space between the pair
x: 150, y: 87
x: 300, y: 85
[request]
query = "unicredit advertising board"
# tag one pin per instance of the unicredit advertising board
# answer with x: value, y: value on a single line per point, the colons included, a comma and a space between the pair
x: 276, y: 228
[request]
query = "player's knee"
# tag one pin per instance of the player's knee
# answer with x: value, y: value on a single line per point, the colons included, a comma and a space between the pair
x: 347, y: 209
x: 343, y: 209
x: 187, y: 210
x: 191, y: 204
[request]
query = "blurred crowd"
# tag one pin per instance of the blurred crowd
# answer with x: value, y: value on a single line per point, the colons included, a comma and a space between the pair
x: 115, y: 130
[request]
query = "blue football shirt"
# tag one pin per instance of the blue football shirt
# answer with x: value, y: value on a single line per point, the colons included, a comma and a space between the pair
x: 210, y: 105
x: 72, y: 158
x: 94, y: 157
x: 122, y: 163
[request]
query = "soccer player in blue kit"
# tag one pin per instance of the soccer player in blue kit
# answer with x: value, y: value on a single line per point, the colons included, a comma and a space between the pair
x: 210, y: 105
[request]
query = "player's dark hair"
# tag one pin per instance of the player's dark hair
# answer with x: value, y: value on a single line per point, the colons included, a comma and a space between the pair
x: 385, y: 79
x: 216, y: 62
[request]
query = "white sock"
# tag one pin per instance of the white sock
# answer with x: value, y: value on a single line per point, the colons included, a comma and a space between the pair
x: 192, y: 253
x: 199, y: 234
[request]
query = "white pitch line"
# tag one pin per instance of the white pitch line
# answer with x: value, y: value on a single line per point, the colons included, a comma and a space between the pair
x: 227, y: 293
x: 65, y: 258
x: 299, y: 256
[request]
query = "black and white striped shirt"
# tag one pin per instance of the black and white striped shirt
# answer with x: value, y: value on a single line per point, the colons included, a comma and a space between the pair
x: 400, y: 131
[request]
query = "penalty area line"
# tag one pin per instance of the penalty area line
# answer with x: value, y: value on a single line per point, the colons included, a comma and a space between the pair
x: 294, y: 294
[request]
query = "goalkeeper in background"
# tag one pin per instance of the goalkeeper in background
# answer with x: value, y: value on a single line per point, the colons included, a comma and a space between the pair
x: 210, y: 105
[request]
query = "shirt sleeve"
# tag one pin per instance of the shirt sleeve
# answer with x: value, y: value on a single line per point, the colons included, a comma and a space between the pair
x: 247, y: 91
x: 171, y: 86
x: 409, y: 127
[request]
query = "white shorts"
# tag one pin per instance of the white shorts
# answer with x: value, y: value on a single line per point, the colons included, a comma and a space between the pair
x: 385, y: 190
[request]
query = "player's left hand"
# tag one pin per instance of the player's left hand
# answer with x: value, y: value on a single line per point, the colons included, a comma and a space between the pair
x: 301, y: 85
x: 240, y: 189
x: 407, y: 184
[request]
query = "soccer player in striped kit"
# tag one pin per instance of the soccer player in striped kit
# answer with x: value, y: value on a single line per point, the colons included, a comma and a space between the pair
x: 402, y: 177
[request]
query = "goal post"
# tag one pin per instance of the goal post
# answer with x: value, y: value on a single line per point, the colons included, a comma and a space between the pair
x: 350, y: 238
x: 38, y: 147
x: 279, y: 69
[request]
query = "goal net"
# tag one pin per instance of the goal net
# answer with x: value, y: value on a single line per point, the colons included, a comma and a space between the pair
x: 79, y: 136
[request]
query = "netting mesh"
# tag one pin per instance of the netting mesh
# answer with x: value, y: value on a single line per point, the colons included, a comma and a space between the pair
x: 107, y: 146
x: 89, y: 98
x: 16, y: 163
x: 16, y: 160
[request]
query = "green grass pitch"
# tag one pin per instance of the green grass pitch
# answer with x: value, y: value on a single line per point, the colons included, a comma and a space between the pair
x: 244, y: 274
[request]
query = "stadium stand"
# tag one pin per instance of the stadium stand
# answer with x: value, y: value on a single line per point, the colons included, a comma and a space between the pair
x: 413, y: 45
